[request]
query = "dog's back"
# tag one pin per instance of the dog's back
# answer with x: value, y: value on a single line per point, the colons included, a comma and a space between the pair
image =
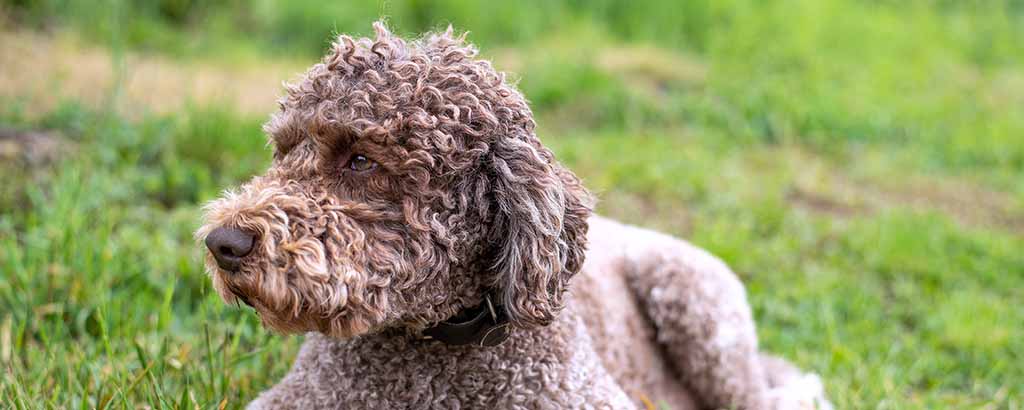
x: 622, y: 334
x: 668, y: 318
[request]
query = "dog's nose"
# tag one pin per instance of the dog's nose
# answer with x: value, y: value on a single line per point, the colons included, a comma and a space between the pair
x: 228, y: 246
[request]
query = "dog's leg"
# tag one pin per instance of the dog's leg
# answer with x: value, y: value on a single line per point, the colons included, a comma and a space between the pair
x: 703, y: 321
x: 791, y: 388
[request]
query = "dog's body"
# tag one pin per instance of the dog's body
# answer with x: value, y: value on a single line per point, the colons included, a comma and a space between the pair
x: 408, y: 187
x: 601, y: 352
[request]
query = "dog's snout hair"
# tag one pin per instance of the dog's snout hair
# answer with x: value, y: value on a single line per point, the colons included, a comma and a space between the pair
x: 300, y: 274
x: 455, y: 196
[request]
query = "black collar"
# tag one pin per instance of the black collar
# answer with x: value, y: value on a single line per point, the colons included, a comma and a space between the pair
x: 483, y: 325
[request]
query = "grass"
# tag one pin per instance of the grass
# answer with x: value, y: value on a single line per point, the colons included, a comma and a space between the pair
x: 859, y: 164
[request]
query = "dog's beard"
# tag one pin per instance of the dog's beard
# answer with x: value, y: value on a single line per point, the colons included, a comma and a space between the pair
x: 235, y: 294
x: 288, y: 301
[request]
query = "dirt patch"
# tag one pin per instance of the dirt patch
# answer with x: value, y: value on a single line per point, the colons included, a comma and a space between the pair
x: 822, y: 204
x: 968, y: 203
x: 45, y: 69
x: 653, y: 70
x: 31, y: 149
x: 26, y: 157
x: 650, y: 70
x: 820, y: 187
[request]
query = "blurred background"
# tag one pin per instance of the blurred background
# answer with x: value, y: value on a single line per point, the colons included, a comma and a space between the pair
x: 860, y: 164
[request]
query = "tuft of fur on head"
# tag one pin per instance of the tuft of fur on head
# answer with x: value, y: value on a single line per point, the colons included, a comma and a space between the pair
x: 464, y: 199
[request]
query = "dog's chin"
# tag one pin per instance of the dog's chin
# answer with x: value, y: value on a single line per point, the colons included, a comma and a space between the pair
x: 339, y: 326
x: 344, y: 327
x: 286, y: 316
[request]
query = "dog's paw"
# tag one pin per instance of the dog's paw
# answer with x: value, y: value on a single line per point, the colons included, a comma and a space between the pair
x: 804, y: 392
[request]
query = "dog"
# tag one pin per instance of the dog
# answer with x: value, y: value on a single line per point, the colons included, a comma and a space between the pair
x: 439, y: 256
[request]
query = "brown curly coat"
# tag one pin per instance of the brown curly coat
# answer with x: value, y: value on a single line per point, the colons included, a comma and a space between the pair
x: 455, y: 196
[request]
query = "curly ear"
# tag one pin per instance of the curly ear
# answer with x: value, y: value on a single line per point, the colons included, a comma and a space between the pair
x: 540, y: 229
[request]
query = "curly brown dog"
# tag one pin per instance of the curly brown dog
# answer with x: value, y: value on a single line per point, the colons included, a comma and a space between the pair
x: 440, y: 257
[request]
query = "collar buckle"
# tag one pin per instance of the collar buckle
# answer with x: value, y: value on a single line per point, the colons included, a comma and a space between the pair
x: 486, y: 326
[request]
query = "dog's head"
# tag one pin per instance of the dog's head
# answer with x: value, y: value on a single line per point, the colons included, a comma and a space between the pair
x: 407, y: 183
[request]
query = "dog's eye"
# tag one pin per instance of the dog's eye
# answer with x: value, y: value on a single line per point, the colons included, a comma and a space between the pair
x: 361, y: 163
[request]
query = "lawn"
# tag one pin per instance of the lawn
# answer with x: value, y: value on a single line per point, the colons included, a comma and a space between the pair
x: 860, y: 164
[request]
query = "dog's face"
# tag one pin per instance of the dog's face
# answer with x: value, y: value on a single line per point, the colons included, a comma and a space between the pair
x: 407, y: 182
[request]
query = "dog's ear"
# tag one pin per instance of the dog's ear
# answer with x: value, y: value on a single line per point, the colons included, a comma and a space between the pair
x: 539, y: 230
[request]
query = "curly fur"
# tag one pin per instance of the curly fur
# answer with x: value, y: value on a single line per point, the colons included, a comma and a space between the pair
x: 464, y: 201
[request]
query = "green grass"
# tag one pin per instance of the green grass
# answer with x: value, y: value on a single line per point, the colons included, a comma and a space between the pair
x: 860, y: 164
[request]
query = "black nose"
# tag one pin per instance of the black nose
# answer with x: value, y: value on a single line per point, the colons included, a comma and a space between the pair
x: 228, y: 246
